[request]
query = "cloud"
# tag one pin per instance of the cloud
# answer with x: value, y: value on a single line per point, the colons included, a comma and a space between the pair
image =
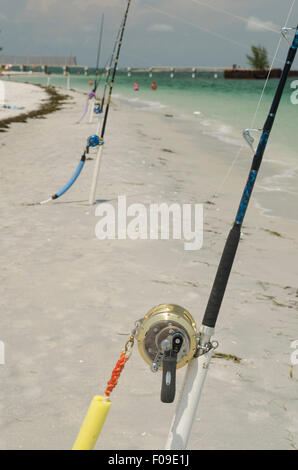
x: 255, y: 24
x: 161, y: 28
x: 39, y: 6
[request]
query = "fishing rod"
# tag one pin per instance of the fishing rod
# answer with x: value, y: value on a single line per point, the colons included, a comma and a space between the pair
x: 92, y: 95
x: 105, y: 119
x: 167, y: 336
x: 109, y: 71
x: 98, y: 109
x: 198, y: 366
x: 94, y: 140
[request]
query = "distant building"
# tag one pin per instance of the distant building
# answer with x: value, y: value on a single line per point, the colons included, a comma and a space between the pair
x: 28, y: 60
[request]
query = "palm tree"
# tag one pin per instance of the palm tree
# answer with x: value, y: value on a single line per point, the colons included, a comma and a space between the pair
x: 259, y: 58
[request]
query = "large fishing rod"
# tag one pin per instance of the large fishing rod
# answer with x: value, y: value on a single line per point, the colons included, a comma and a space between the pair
x: 198, y: 366
x: 105, y: 119
x: 109, y: 71
x: 167, y: 336
x: 92, y: 95
x: 98, y: 109
x: 93, y: 141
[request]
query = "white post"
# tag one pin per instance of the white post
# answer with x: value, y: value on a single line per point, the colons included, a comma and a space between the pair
x: 49, y: 80
x: 188, y: 402
x: 95, y: 175
x: 92, y: 102
x: 98, y: 125
x: 68, y: 82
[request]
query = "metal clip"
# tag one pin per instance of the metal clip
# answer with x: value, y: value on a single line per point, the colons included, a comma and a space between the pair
x: 249, y: 138
x: 284, y: 31
x: 201, y: 350
x: 131, y: 341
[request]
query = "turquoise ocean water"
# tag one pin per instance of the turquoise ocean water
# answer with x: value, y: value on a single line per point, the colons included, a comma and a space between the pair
x: 220, y: 109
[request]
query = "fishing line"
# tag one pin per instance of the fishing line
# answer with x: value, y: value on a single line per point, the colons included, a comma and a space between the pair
x: 254, y: 118
x: 92, y: 95
x: 237, y: 17
x: 183, y: 20
x: 218, y: 35
x: 97, y: 80
x: 198, y: 366
x: 226, y: 177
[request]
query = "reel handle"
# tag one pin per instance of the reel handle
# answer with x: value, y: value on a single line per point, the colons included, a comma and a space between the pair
x: 168, y: 387
x: 169, y: 366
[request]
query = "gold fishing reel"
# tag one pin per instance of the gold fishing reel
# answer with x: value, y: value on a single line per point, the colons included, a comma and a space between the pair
x: 167, y: 340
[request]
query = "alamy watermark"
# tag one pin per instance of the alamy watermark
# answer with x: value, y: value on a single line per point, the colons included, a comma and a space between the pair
x: 294, y: 95
x: 2, y: 353
x: 294, y: 355
x: 158, y: 222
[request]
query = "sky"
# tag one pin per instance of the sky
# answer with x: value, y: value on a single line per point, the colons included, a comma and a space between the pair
x: 159, y: 32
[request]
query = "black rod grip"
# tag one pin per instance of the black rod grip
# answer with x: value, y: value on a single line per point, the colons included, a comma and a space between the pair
x: 168, y: 387
x: 222, y: 277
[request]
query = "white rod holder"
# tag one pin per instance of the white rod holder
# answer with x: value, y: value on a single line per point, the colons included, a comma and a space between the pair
x: 92, y: 101
x: 188, y: 402
x: 92, y: 196
x: 98, y: 125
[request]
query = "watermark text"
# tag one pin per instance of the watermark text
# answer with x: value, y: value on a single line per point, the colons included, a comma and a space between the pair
x: 158, y: 222
x: 294, y: 95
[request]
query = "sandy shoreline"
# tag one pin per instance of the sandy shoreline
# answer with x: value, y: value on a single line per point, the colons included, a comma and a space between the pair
x: 68, y: 300
x: 25, y: 97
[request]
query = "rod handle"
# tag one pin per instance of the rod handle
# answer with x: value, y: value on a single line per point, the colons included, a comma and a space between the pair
x: 222, y: 277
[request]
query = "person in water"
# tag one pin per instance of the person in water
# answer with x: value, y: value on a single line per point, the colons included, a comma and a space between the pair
x: 136, y: 86
x: 154, y: 85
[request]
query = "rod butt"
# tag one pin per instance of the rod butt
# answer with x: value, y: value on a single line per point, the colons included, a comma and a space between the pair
x: 92, y: 424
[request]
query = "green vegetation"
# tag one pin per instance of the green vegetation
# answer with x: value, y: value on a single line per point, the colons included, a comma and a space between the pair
x: 259, y: 58
x: 227, y: 357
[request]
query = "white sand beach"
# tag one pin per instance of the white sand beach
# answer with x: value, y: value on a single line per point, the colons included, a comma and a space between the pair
x: 69, y: 301
x: 22, y: 96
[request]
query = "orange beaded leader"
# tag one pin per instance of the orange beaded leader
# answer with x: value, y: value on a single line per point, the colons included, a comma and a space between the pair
x: 125, y: 355
x: 116, y: 374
